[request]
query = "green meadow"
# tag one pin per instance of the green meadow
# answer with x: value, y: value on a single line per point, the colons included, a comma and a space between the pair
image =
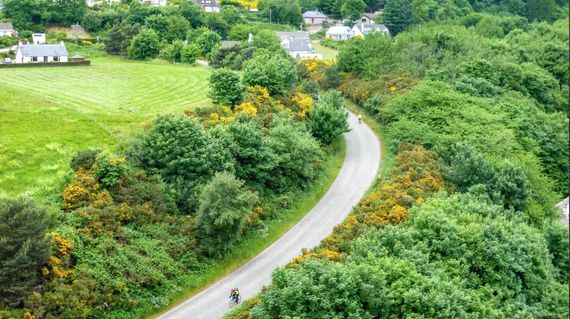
x: 48, y: 114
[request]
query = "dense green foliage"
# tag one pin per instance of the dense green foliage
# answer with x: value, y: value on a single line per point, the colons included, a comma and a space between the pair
x: 327, y: 119
x: 24, y: 248
x: 226, y: 88
x: 224, y: 206
x: 144, y: 45
x: 275, y: 72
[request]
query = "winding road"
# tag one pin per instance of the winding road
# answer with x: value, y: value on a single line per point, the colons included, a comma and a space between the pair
x: 355, y: 177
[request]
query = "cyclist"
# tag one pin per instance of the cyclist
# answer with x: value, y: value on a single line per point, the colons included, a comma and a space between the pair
x: 359, y: 119
x: 234, y: 295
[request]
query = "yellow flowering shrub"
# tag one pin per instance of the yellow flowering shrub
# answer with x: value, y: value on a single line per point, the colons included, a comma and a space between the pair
x: 247, y: 108
x: 58, y: 264
x: 81, y: 191
x: 301, y: 104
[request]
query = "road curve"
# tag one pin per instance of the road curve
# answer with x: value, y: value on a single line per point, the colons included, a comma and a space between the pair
x: 355, y: 177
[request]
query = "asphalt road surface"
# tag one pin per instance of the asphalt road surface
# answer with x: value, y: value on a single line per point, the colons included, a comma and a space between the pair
x: 355, y: 177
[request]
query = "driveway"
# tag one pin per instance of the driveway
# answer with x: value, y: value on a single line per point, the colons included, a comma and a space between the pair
x: 355, y: 177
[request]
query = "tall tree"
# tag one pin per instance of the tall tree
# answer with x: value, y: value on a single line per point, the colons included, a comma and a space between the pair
x: 24, y: 248
x: 145, y: 45
x: 25, y: 13
x: 541, y: 10
x: 397, y: 15
x: 226, y: 88
x: 353, y: 9
x: 68, y: 11
x: 224, y: 206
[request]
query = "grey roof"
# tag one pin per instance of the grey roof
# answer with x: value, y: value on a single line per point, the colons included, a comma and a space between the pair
x: 293, y: 35
x: 370, y: 15
x: 43, y: 50
x: 6, y: 26
x: 314, y: 14
x: 372, y: 27
x: 296, y: 45
x: 229, y: 44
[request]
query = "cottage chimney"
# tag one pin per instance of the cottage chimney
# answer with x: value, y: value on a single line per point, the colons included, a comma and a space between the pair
x: 62, y: 43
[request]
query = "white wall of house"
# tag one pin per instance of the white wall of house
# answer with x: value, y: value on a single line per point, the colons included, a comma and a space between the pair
x: 212, y: 9
x: 314, y: 21
x: 305, y: 55
x: 6, y: 33
x: 39, y: 59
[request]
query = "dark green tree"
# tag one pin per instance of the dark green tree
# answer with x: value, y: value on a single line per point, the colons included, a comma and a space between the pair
x: 226, y: 88
x: 327, y: 119
x: 207, y: 41
x: 397, y: 15
x: 145, y: 45
x: 24, y: 248
x: 275, y: 72
x: 185, y: 155
x: 541, y: 10
x: 119, y: 38
x: 224, y: 206
x: 68, y: 11
x: 353, y: 9
x: 192, y: 13
x: 282, y: 11
x: 25, y: 13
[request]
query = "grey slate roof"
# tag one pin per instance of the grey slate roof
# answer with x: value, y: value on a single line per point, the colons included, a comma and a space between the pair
x: 370, y: 15
x: 228, y: 44
x: 43, y: 50
x: 367, y: 28
x: 314, y: 14
x: 296, y: 45
x: 6, y: 26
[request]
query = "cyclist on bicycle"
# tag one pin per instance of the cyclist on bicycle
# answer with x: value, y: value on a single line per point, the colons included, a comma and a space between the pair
x: 234, y: 294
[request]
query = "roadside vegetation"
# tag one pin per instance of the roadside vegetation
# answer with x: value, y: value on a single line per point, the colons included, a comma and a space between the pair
x: 474, y: 107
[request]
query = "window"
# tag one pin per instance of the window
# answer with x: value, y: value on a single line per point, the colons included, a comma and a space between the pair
x: 35, y: 59
x: 55, y: 59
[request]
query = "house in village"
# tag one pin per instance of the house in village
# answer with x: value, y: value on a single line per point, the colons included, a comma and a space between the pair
x: 156, y: 3
x: 41, y: 53
x: 298, y: 45
x: 369, y: 17
x: 314, y: 18
x: 7, y: 30
x: 339, y: 33
x: 362, y: 29
x: 209, y: 5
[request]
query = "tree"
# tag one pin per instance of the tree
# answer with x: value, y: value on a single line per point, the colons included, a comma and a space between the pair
x: 353, y: 9
x: 120, y: 37
x: 541, y: 10
x: 177, y: 28
x: 68, y: 11
x: 92, y: 21
x: 267, y: 39
x: 158, y: 23
x: 275, y: 72
x: 327, y: 120
x: 216, y: 22
x: 25, y: 13
x: 226, y: 88
x: 397, y: 15
x: 230, y: 15
x: 192, y: 13
x: 282, y: 11
x: 224, y: 206
x: 144, y: 45
x: 255, y: 160
x: 189, y: 53
x: 298, y: 153
x: 185, y: 155
x: 24, y: 248
x: 207, y: 41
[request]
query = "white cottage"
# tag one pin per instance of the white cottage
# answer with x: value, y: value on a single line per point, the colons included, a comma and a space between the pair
x: 362, y: 29
x: 41, y: 53
x: 7, y: 30
x: 339, y: 33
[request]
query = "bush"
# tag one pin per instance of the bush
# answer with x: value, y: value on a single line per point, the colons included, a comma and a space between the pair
x: 145, y: 45
x: 226, y: 88
x: 328, y: 120
x: 84, y: 159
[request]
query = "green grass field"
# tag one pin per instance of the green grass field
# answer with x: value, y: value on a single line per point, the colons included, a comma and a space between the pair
x: 47, y: 114
x: 328, y: 53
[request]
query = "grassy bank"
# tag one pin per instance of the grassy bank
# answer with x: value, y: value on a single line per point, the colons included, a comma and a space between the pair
x: 255, y: 243
x: 48, y: 114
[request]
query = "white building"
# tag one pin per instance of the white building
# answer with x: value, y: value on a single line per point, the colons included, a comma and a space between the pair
x: 362, y: 29
x: 7, y: 30
x: 369, y: 17
x: 41, y: 53
x: 92, y: 3
x: 339, y: 33
x: 38, y: 38
x: 298, y: 45
x: 155, y: 3
x: 314, y: 18
x: 209, y: 5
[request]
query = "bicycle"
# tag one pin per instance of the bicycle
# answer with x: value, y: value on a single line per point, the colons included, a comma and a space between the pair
x: 234, y: 302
